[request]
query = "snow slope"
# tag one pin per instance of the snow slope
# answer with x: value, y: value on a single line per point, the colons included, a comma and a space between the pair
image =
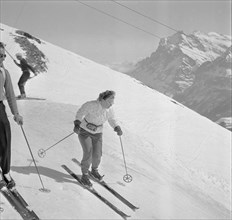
x: 179, y: 160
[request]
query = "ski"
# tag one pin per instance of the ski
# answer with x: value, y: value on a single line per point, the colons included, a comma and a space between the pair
x: 94, y: 192
x: 21, y: 200
x: 106, y: 186
x: 16, y: 204
x: 30, y: 98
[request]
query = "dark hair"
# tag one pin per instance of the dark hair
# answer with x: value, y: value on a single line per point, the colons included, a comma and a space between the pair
x: 106, y: 94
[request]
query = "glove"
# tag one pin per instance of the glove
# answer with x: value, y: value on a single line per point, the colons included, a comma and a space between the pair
x: 76, y: 126
x: 19, y: 119
x: 118, y: 130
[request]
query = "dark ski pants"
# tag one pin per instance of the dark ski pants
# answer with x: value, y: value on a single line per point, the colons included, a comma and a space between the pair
x: 5, y: 141
x: 22, y: 81
x: 92, y: 149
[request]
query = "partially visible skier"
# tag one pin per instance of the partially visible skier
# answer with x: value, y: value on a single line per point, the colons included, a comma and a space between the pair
x: 6, y: 89
x: 89, y: 126
x: 26, y: 68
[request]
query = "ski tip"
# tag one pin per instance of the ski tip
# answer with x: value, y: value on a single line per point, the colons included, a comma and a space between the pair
x: 30, y: 98
x: 75, y: 160
x: 126, y: 216
x: 135, y: 208
x: 64, y: 166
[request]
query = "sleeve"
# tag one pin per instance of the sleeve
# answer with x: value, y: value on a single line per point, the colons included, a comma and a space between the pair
x: 24, y: 62
x: 10, y: 95
x: 112, y: 119
x: 83, y: 111
x: 18, y: 64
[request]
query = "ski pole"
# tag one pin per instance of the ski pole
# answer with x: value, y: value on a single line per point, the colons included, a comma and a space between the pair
x: 42, y: 152
x: 127, y: 178
x: 9, y: 54
x: 43, y: 189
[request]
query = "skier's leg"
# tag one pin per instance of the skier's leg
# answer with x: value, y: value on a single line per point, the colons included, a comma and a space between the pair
x: 97, y: 150
x: 22, y: 81
x: 5, y: 141
x: 86, y: 144
x: 20, y: 85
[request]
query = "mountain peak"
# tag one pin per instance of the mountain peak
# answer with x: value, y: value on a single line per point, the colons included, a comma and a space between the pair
x: 176, y: 39
x: 173, y: 68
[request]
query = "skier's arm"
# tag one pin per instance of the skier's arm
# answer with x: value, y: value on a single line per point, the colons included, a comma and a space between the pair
x: 18, y: 64
x: 113, y: 122
x: 83, y: 110
x: 10, y: 95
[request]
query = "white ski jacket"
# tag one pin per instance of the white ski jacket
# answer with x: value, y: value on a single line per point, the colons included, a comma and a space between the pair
x: 92, y: 112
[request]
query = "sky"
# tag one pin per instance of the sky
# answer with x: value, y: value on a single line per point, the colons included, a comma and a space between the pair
x: 180, y: 160
x: 102, y: 38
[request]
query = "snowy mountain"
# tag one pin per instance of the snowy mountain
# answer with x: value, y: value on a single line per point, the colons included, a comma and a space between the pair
x: 180, y: 161
x: 175, y: 69
x: 210, y: 94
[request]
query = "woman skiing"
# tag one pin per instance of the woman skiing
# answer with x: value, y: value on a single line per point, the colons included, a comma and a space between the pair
x: 89, y: 126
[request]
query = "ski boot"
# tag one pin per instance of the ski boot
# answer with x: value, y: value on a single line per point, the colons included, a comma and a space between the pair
x: 22, y: 96
x: 10, y: 183
x: 85, y: 180
x: 96, y: 175
x: 2, y: 182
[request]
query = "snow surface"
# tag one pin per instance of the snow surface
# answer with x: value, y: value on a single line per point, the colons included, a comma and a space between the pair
x: 179, y: 160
